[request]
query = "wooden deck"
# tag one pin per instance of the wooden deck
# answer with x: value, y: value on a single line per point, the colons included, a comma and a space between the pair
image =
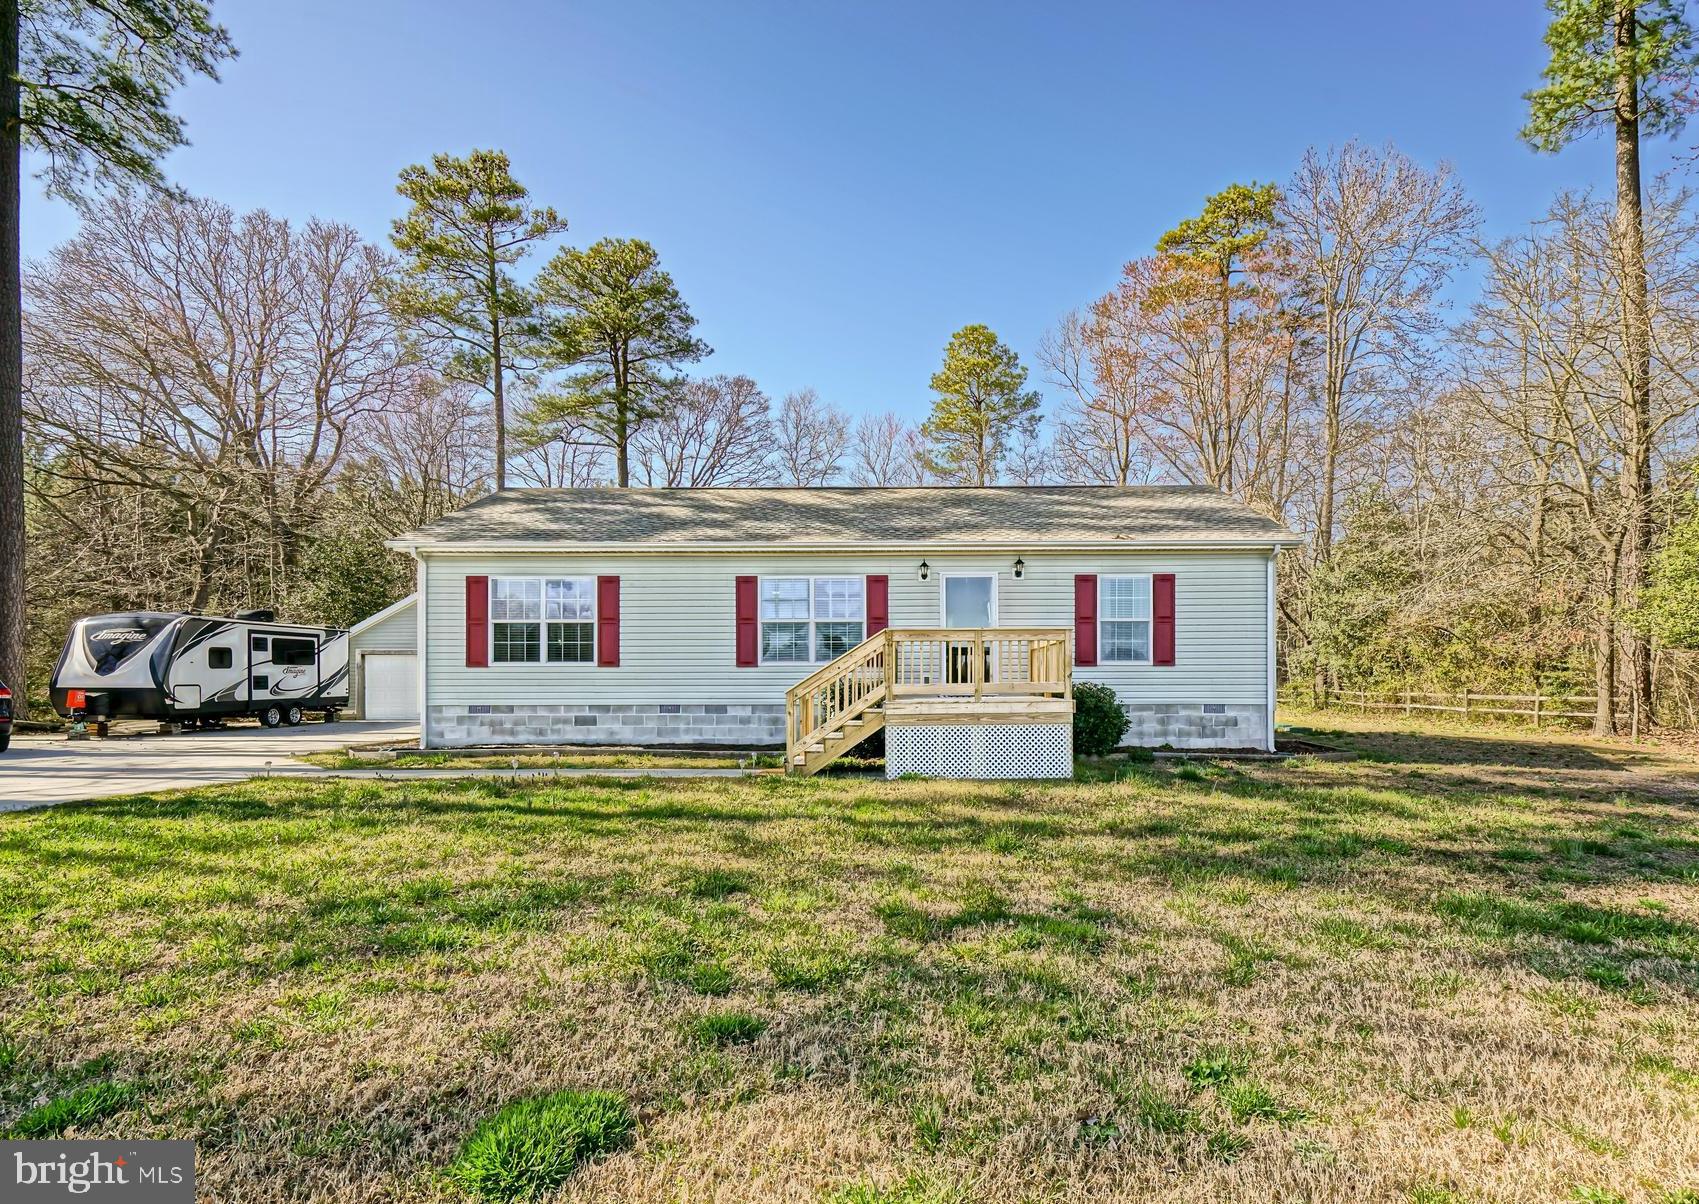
x: 921, y: 676
x: 1008, y: 708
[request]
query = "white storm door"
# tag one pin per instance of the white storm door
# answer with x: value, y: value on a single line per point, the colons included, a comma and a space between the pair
x: 968, y: 600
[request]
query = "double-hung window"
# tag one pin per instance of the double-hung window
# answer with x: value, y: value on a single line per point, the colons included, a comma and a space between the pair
x: 569, y: 609
x: 533, y: 619
x: 1123, y: 619
x: 811, y: 619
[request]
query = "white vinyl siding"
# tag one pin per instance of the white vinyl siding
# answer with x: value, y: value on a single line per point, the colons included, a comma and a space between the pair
x: 678, y: 622
x: 398, y: 632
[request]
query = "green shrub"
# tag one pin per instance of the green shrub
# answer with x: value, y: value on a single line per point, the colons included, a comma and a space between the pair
x: 1099, y: 721
x: 531, y: 1146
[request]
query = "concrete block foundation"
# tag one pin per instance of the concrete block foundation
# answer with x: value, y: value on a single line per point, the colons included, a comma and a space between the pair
x: 748, y: 725
x: 1191, y: 725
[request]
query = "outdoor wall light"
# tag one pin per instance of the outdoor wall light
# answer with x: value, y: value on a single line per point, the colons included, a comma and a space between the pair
x: 925, y: 570
x: 1020, y: 568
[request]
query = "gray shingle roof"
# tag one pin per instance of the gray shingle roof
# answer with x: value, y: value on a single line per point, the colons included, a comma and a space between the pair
x: 1074, y: 514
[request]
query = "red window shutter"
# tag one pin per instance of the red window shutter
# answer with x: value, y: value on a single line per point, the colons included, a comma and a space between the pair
x: 607, y: 621
x: 748, y: 627
x: 878, y: 603
x: 477, y: 622
x: 1085, y: 619
x: 1162, y: 619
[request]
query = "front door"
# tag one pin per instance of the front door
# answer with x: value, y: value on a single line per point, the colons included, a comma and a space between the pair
x: 970, y: 600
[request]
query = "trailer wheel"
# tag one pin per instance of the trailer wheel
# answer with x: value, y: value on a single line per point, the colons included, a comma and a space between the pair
x: 292, y: 716
x: 5, y: 741
x: 271, y: 716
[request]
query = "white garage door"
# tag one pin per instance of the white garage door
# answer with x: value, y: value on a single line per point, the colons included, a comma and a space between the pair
x: 392, y: 687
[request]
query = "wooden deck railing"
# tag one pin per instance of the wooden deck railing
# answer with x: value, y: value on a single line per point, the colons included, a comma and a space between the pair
x: 936, y: 662
x: 943, y: 662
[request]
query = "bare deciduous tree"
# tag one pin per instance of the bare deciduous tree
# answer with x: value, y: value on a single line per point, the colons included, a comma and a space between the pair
x: 809, y: 439
x: 879, y: 451
x: 559, y: 451
x: 1546, y: 365
x: 1371, y: 236
x: 432, y: 445
x: 1104, y: 363
x: 715, y: 432
x: 215, y: 362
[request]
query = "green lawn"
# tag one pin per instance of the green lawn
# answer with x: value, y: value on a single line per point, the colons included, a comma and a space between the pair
x: 1407, y: 978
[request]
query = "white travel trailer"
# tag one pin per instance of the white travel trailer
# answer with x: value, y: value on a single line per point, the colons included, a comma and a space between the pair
x: 188, y: 668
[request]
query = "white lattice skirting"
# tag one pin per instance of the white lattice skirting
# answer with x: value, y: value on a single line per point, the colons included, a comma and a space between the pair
x: 981, y: 750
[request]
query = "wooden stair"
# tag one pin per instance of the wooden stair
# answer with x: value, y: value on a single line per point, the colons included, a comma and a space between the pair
x: 927, y: 676
x: 835, y: 708
x: 812, y: 758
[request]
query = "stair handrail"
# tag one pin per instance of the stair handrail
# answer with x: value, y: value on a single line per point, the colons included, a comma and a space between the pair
x: 852, y: 698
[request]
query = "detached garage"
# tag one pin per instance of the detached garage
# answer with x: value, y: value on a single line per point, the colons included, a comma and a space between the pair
x: 383, y: 658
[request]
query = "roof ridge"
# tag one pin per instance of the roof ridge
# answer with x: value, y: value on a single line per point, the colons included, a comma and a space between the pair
x: 855, y: 516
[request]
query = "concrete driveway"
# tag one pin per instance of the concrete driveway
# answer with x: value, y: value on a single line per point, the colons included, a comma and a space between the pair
x: 39, y: 770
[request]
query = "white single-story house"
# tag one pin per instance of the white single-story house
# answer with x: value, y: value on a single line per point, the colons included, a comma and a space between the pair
x: 685, y: 616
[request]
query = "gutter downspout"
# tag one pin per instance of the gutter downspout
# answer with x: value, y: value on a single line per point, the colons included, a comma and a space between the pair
x: 424, y: 649
x: 1273, y: 686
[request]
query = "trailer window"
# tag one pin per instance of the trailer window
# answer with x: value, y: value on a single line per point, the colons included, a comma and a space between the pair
x: 218, y: 658
x: 286, y: 651
x: 260, y: 643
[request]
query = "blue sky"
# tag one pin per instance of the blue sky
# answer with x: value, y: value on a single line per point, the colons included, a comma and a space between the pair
x: 836, y: 188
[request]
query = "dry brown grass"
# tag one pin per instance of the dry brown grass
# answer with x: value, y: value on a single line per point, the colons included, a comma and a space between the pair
x: 1378, y: 980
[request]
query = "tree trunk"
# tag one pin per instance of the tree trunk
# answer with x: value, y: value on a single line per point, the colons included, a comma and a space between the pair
x: 622, y: 446
x: 1331, y: 405
x: 1637, y: 339
x: 11, y: 376
x: 1329, y: 477
x: 1227, y: 370
x: 497, y: 367
x: 1536, y: 573
x: 1604, y: 674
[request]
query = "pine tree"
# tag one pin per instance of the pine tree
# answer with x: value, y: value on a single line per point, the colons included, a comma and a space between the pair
x: 616, y: 318
x: 1621, y: 65
x: 470, y: 222
x: 982, y: 404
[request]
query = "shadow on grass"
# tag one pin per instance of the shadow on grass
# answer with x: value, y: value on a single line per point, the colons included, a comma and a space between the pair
x: 1461, y: 750
x: 1215, y: 824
